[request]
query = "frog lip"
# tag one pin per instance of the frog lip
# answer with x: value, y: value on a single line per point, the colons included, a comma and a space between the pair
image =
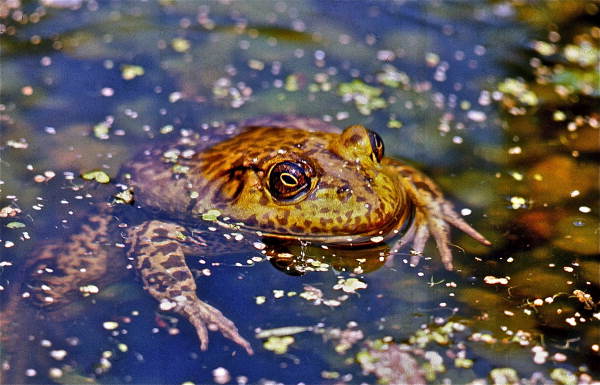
x: 397, y: 225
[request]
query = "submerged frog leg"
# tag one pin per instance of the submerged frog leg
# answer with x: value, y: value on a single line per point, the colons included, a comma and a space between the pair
x: 60, y: 269
x: 159, y: 251
x: 434, y: 214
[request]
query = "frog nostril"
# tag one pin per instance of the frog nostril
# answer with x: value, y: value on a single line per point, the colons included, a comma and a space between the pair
x: 343, y: 189
x: 344, y: 192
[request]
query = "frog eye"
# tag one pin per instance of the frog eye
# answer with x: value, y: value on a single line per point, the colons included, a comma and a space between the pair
x: 287, y: 180
x: 376, y: 146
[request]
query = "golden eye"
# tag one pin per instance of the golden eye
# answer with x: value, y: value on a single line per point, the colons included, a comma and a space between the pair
x: 377, y: 146
x: 287, y: 180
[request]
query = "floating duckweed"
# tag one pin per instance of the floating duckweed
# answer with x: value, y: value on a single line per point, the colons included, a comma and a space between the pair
x: 261, y: 299
x: 463, y: 363
x: 256, y: 64
x: 559, y: 116
x: 180, y: 45
x: 350, y: 285
x: 97, y: 175
x: 366, y: 98
x: 278, y: 345
x: 584, y: 54
x: 101, y: 130
x: 544, y: 48
x: 330, y: 375
x: 15, y: 225
x: 291, y: 83
x: 518, y: 89
x: 129, y: 71
x: 394, y: 123
x: 166, y: 129
x: 311, y: 293
x: 504, y: 376
x: 211, y: 215
x: 434, y: 366
x: 180, y: 169
x: 124, y: 197
x: 517, y: 202
x: 391, y: 77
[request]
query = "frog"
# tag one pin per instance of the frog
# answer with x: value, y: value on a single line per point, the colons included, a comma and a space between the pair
x: 285, y: 178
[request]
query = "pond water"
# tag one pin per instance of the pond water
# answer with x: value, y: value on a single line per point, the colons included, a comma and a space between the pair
x: 497, y: 101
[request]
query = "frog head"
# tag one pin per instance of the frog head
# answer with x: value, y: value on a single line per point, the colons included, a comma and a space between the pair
x: 290, y: 183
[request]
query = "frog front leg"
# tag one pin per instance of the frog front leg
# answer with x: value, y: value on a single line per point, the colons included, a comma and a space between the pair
x: 434, y: 214
x: 158, y: 249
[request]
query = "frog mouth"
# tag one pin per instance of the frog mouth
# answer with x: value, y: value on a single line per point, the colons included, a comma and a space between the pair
x: 397, y: 226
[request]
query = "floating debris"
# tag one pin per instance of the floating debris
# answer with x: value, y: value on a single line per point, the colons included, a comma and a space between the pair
x: 97, y: 175
x: 278, y: 345
x: 129, y: 72
x: 350, y: 285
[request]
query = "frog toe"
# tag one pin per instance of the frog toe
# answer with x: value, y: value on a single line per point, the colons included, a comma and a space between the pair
x: 204, y: 316
x: 420, y: 239
x: 455, y: 220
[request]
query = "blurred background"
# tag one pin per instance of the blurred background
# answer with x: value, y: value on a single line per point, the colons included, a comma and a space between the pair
x: 496, y: 100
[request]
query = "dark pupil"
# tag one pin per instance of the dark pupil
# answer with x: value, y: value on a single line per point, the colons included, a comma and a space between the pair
x: 376, y: 145
x: 287, y: 180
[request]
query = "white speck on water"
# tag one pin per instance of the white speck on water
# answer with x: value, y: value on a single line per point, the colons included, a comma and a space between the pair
x: 107, y: 92
x: 477, y: 116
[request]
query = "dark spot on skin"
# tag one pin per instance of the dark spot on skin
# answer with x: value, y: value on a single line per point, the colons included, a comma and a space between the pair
x: 94, y: 225
x: 315, y: 229
x: 296, y: 229
x: 325, y: 185
x: 174, y: 293
x: 172, y: 261
x: 161, y: 232
x: 181, y: 275
x: 185, y: 288
x: 168, y: 248
x: 425, y: 186
x: 263, y: 200
x: 324, y: 210
x: 359, y: 199
x: 146, y: 264
x: 251, y: 220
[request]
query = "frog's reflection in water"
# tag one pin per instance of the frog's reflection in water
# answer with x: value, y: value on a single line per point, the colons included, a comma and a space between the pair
x: 299, y: 258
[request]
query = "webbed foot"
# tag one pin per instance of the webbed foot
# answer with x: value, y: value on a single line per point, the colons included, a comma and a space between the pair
x: 158, y: 249
x: 434, y: 215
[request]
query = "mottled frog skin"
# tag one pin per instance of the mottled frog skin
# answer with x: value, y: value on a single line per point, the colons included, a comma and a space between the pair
x: 283, y: 178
